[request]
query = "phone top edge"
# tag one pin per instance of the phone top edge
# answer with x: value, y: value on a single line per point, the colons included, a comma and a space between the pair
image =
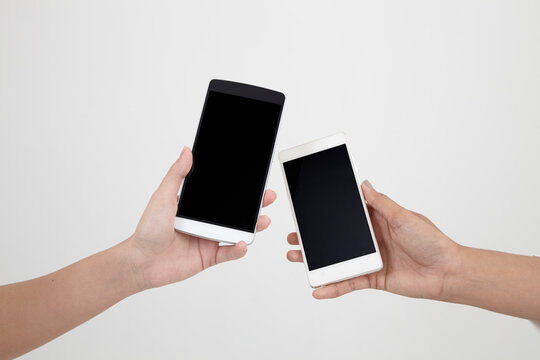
x: 336, y: 140
x: 247, y: 90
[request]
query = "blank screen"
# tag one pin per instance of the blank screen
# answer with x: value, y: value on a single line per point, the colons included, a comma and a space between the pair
x: 328, y: 207
x: 231, y: 158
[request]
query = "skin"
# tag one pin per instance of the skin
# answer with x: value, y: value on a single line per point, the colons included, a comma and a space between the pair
x: 420, y: 261
x: 36, y: 311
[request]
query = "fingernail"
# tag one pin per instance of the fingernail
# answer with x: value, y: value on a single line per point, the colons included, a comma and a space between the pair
x: 368, y: 184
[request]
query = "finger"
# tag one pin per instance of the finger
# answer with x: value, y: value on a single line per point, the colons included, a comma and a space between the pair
x: 263, y: 222
x: 295, y: 256
x: 269, y: 197
x: 231, y: 252
x: 341, y: 288
x: 292, y: 238
x: 171, y: 182
x: 381, y: 203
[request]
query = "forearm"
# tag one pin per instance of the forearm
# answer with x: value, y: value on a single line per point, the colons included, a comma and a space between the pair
x: 496, y: 281
x: 36, y: 311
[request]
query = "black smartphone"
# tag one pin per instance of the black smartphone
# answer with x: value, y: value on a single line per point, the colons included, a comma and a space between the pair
x: 222, y: 195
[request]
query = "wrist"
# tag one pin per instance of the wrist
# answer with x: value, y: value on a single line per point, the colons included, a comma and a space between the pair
x: 130, y: 260
x: 455, y: 278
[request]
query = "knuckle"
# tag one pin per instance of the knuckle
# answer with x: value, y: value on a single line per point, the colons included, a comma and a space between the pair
x: 351, y: 286
x: 399, y: 217
x: 381, y: 198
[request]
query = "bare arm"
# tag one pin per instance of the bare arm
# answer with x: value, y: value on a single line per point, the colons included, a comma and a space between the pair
x: 420, y: 261
x: 496, y: 281
x: 36, y: 311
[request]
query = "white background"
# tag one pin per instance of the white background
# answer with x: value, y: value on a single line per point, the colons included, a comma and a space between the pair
x: 440, y: 101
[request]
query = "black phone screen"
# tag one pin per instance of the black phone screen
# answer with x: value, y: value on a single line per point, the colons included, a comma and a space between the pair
x: 328, y: 207
x: 231, y: 159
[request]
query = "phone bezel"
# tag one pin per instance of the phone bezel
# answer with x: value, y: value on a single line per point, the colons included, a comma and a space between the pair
x: 346, y: 269
x: 221, y: 233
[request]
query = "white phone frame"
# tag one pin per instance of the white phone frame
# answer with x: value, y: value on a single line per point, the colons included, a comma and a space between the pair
x: 213, y: 232
x: 346, y: 269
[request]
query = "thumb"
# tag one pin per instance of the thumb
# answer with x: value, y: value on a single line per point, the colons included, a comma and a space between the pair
x: 175, y: 176
x: 231, y: 252
x: 381, y: 203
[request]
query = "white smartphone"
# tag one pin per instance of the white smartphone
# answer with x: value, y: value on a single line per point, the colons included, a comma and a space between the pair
x: 331, y: 217
x: 222, y: 195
